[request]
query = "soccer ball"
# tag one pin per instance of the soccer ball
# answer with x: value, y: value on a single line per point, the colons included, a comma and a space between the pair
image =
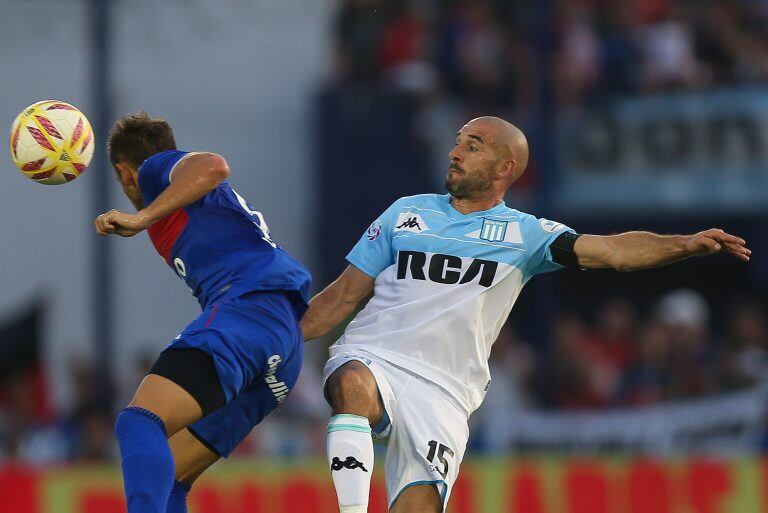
x: 51, y: 142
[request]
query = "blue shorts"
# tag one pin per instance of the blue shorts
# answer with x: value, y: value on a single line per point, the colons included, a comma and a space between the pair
x: 257, y: 349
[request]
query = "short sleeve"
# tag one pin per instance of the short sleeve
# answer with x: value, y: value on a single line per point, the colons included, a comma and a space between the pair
x: 154, y: 173
x: 373, y: 252
x: 538, y: 237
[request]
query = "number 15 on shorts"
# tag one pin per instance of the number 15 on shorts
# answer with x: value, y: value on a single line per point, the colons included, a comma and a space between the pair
x: 439, y: 450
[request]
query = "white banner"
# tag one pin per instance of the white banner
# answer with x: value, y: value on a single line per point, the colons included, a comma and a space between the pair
x: 732, y: 424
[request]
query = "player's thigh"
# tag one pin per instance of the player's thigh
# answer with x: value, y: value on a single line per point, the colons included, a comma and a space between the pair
x: 169, y: 401
x: 190, y: 456
x: 245, y: 336
x: 418, y: 499
x: 224, y: 429
x: 352, y: 388
x: 427, y: 442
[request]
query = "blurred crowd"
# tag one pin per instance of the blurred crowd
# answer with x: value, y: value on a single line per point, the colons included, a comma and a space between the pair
x: 33, y: 432
x: 500, y: 54
x: 622, y: 357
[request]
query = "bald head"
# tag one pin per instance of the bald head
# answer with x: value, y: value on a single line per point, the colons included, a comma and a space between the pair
x: 489, y: 155
x: 508, y: 140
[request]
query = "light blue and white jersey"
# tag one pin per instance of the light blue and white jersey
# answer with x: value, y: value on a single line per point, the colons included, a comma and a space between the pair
x: 445, y: 284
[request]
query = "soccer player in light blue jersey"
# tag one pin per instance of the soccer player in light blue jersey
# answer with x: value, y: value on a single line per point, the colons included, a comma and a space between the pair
x: 445, y: 271
x: 241, y: 356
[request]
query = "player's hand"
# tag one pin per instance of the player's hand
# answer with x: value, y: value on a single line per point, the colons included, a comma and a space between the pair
x: 715, y: 240
x: 120, y: 223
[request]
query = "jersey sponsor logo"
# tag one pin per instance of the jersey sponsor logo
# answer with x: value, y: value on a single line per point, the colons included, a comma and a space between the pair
x: 410, y: 222
x: 446, y: 269
x: 550, y: 226
x: 279, y: 388
x: 373, y: 231
x: 509, y: 233
x: 351, y: 463
x: 180, y: 267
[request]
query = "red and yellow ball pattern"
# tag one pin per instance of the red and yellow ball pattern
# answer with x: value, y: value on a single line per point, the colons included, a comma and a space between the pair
x: 51, y: 142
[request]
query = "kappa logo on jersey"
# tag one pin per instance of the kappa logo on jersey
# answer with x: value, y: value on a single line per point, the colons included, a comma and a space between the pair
x: 410, y: 222
x: 278, y: 388
x: 550, y: 226
x: 498, y: 231
x: 351, y: 463
x: 374, y: 231
x: 447, y: 269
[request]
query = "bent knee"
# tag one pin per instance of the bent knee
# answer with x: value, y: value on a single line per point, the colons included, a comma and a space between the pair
x: 352, y: 389
x: 132, y: 418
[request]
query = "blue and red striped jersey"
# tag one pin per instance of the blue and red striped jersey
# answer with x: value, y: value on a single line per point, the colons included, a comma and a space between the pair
x: 219, y: 245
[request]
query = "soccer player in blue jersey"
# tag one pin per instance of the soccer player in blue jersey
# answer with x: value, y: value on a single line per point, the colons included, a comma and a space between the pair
x: 445, y: 271
x: 239, y: 358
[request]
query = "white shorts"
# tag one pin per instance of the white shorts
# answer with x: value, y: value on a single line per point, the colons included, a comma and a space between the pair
x: 427, y: 432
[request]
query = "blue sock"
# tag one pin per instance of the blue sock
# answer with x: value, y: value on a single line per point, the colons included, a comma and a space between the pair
x: 147, y: 460
x: 177, y: 502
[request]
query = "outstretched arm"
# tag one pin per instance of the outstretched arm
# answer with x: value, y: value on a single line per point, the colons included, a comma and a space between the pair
x: 336, y: 302
x: 632, y: 251
x: 194, y: 177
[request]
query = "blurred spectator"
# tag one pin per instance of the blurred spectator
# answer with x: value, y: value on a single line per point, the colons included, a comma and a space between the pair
x: 569, y: 376
x: 488, y: 54
x: 612, y: 343
x: 746, y: 352
x: 667, y: 51
x: 513, y: 366
x: 513, y: 370
x: 358, y: 32
x: 579, y: 61
x: 403, y: 52
x: 647, y: 378
x: 684, y: 315
x: 618, y: 26
x: 474, y: 51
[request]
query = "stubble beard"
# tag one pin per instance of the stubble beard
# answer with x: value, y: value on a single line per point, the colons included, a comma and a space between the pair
x: 467, y: 187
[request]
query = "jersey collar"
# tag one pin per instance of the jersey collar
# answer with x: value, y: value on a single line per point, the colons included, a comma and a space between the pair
x: 497, y: 209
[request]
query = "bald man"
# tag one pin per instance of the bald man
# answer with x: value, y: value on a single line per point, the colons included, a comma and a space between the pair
x: 445, y: 271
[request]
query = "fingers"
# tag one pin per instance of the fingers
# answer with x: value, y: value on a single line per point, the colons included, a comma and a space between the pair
x: 722, y: 236
x: 117, y: 223
x: 739, y: 251
x: 106, y: 224
x: 718, y: 240
x: 728, y: 243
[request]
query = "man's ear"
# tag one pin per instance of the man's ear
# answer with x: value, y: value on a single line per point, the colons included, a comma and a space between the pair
x: 508, y: 170
x: 124, y: 173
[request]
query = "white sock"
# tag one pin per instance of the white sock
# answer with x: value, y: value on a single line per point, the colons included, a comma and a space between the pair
x: 350, y: 457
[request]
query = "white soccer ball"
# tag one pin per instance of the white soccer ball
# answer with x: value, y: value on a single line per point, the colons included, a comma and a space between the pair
x: 51, y: 142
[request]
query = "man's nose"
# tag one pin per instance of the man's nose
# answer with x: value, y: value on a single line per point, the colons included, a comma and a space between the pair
x: 455, y: 155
